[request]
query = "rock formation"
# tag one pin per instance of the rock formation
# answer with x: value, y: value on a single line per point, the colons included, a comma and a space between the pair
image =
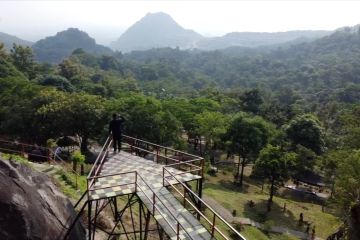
x: 31, y: 207
x: 354, y: 230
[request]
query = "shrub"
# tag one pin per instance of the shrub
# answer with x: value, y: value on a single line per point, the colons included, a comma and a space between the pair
x: 267, y: 226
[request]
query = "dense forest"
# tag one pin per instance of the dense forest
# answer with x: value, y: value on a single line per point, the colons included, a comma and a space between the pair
x: 287, y: 109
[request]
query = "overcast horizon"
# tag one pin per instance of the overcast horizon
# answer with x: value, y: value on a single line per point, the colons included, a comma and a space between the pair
x: 106, y: 20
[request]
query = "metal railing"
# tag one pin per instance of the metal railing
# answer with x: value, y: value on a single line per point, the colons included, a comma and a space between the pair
x: 98, y: 163
x: 46, y: 154
x: 171, y: 158
x: 43, y: 153
x: 166, y: 155
x: 154, y: 200
x: 215, y: 215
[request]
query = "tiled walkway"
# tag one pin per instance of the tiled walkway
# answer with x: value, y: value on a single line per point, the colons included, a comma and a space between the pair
x: 169, y: 210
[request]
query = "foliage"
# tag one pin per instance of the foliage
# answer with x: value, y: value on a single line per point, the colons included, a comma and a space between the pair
x: 55, y: 48
x: 57, y: 81
x: 16, y: 158
x: 247, y: 136
x: 73, y: 114
x: 251, y: 101
x: 347, y: 181
x: 275, y: 165
x: 77, y: 157
x: 147, y: 119
x: 267, y: 226
x: 23, y: 60
x: 351, y: 123
x: 309, y: 91
x: 306, y: 159
x: 306, y: 130
x: 211, y: 125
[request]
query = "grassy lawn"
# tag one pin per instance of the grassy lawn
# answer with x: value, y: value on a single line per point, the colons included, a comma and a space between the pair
x: 252, y: 233
x: 71, y: 185
x: 222, y: 189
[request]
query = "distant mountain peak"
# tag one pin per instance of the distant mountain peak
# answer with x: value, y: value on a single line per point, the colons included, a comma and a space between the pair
x: 159, y: 29
x: 158, y: 15
x: 76, y: 34
x: 156, y: 30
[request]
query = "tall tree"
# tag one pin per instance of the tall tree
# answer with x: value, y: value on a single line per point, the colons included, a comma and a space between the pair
x: 351, y: 125
x: 347, y: 181
x: 347, y: 192
x: 3, y: 53
x: 170, y: 130
x: 306, y: 130
x: 71, y: 70
x: 146, y: 119
x: 251, y: 100
x: 23, y: 59
x: 247, y: 136
x: 275, y: 165
x: 211, y: 125
x: 77, y: 114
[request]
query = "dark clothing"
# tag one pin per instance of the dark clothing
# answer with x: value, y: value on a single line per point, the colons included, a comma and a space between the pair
x: 115, y: 128
x: 117, y: 142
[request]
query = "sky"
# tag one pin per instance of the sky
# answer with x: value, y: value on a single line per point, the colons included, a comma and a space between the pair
x: 106, y: 20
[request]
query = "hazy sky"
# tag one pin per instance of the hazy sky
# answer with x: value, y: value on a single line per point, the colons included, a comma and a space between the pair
x: 106, y: 20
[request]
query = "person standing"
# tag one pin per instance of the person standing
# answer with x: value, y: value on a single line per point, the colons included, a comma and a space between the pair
x: 115, y: 128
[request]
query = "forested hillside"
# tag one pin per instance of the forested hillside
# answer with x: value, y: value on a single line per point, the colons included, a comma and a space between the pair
x: 300, y: 103
x: 159, y: 30
x: 330, y: 62
x: 258, y: 39
x: 9, y: 40
x: 55, y: 48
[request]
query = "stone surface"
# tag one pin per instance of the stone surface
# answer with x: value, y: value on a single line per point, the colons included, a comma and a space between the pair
x: 355, y: 222
x: 31, y: 207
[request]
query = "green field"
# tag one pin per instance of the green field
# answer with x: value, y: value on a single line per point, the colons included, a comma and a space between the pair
x: 222, y: 189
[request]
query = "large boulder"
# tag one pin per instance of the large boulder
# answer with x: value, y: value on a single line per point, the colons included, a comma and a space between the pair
x: 354, y: 230
x: 31, y: 207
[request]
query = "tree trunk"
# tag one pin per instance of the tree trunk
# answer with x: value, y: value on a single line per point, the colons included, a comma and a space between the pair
x: 332, y: 189
x: 201, y: 153
x: 74, y: 166
x: 271, y: 195
x: 212, y: 154
x: 238, y: 170
x: 82, y: 169
x: 242, y: 172
x: 84, y: 145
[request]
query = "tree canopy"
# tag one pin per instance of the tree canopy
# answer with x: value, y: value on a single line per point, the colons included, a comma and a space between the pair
x: 247, y: 136
x: 276, y: 165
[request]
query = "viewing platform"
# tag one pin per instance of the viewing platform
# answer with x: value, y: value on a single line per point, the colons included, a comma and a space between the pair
x: 119, y: 172
x: 164, y: 182
x: 163, y: 186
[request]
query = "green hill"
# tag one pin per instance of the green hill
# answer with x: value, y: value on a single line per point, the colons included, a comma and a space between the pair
x: 56, y: 48
x: 8, y: 40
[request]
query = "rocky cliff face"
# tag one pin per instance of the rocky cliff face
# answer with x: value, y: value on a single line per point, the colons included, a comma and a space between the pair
x: 31, y: 207
x: 355, y: 222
